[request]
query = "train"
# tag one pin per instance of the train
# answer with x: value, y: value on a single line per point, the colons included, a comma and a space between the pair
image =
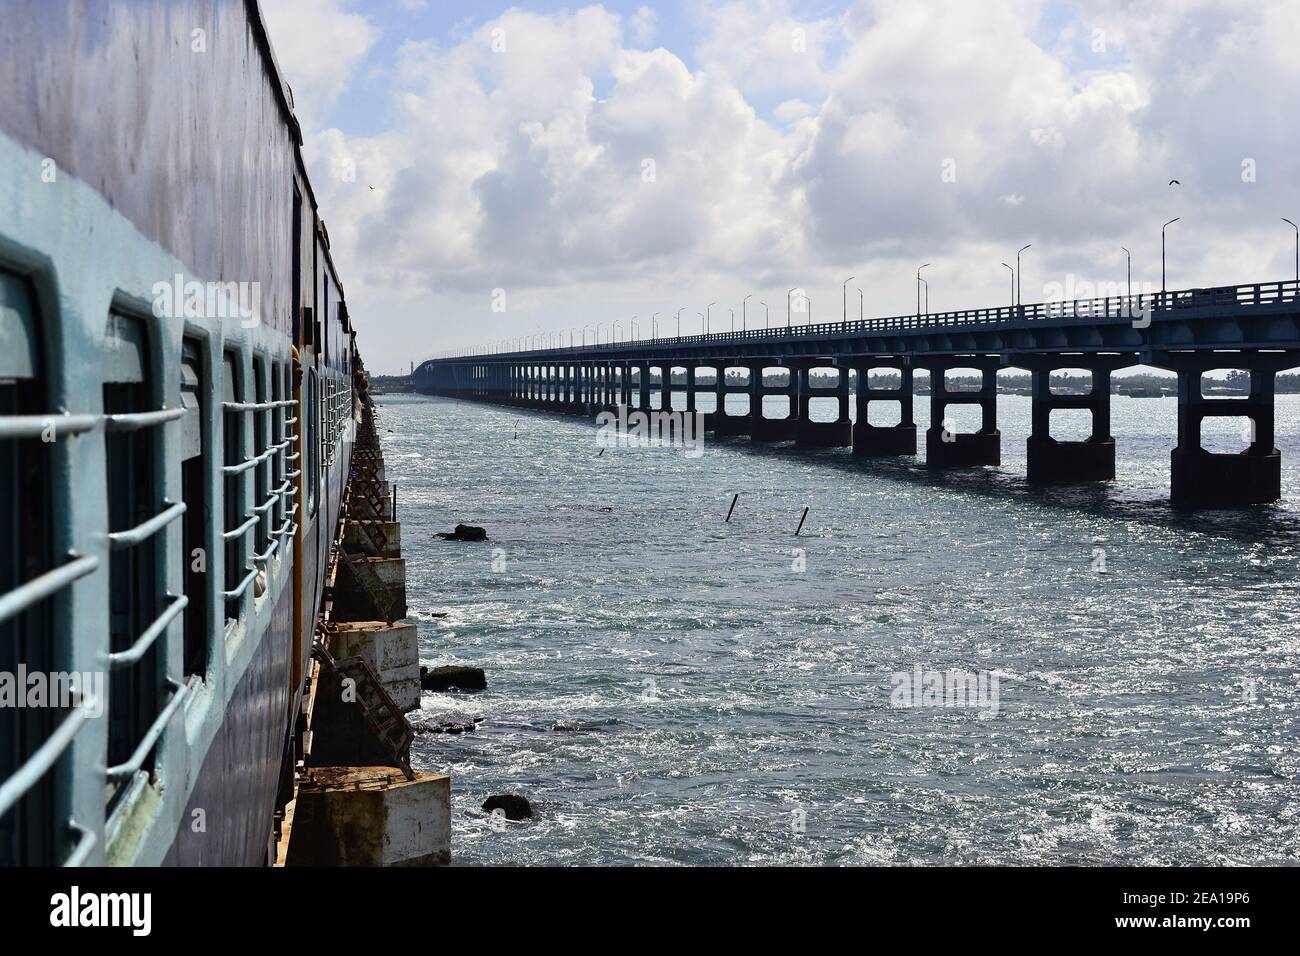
x: 179, y: 391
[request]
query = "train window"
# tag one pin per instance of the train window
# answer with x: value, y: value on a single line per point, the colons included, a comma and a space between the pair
x: 236, y: 524
x: 136, y: 569
x: 261, y: 445
x: 312, y: 443
x: 27, y: 637
x: 279, y: 435
x: 196, y: 548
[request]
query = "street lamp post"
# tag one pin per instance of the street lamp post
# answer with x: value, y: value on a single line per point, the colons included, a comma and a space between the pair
x: 1018, y: 252
x: 767, y: 316
x: 787, y: 306
x: 743, y: 303
x: 918, y: 289
x: 862, y: 306
x: 844, y: 297
x: 927, y: 296
x: 707, y: 309
x: 733, y: 319
x: 1162, y: 254
x: 1013, y: 286
x: 1297, y: 246
x: 654, y: 326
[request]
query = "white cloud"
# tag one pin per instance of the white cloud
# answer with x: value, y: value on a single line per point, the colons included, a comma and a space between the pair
x: 762, y: 46
x: 794, y: 109
x: 527, y: 169
x: 641, y: 26
x: 318, y: 44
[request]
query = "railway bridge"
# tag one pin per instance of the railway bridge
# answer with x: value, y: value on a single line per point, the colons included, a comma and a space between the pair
x: 1254, y: 328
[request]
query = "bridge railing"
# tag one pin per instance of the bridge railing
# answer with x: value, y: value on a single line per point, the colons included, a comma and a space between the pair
x: 1114, y: 308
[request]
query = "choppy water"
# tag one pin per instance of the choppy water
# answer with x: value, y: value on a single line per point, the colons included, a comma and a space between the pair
x: 730, y: 709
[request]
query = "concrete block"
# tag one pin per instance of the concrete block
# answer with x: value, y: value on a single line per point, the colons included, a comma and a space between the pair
x: 773, y: 429
x: 874, y: 441
x: 1049, y: 461
x: 811, y: 434
x: 361, y: 538
x: 391, y: 650
x: 1209, y: 480
x: 371, y: 816
x: 964, y: 451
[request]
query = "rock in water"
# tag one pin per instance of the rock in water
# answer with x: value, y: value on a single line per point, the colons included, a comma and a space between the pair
x: 448, y: 723
x: 464, y: 532
x: 453, y: 677
x: 514, y: 806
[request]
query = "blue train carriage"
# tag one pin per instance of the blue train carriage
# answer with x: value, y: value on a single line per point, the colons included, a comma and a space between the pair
x: 175, y: 390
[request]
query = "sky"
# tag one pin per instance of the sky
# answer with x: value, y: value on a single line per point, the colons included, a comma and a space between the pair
x: 490, y: 172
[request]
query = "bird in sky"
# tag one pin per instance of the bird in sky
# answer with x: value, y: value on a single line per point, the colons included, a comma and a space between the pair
x: 1172, y: 182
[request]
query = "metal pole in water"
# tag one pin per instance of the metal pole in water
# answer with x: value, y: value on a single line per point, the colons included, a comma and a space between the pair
x: 801, y: 521
x: 732, y: 508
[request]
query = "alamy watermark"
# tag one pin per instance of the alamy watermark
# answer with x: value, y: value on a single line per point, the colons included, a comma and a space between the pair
x: 63, y: 690
x: 179, y: 299
x: 664, y: 428
x: 1139, y: 295
x: 951, y: 688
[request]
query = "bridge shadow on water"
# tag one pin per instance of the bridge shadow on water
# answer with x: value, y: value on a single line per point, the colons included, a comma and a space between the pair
x: 1270, y: 524
x: 1263, y: 524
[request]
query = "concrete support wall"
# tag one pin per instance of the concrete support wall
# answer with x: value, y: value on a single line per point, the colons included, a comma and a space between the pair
x: 1052, y: 461
x: 871, y: 441
x: 811, y: 434
x: 1204, y: 479
x: 772, y: 429
x: 945, y: 448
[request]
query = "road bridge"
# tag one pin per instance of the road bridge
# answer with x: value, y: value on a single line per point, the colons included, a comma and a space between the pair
x: 1254, y: 328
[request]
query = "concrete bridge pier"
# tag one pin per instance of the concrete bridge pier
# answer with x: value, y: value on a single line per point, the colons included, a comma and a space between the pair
x: 884, y: 441
x: 945, y: 448
x: 772, y: 429
x: 717, y: 397
x: 577, y: 396
x: 642, y: 387
x: 723, y: 422
x: 1050, y: 460
x: 811, y: 434
x: 1225, y: 480
x: 625, y: 385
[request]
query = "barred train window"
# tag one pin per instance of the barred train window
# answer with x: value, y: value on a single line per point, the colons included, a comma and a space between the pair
x: 233, y: 441
x: 312, y: 445
x: 27, y: 638
x: 196, y: 552
x: 135, y: 591
x: 278, y: 435
x: 261, y: 442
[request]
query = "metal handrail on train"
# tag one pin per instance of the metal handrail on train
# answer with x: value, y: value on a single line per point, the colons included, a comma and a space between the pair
x: 35, y: 426
x: 86, y: 841
x: 45, y: 757
x: 126, y: 770
x: 132, y: 655
x: 258, y: 512
x: 46, y: 585
x: 51, y: 582
x: 129, y: 538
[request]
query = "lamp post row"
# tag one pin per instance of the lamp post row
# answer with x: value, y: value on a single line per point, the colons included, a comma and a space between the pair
x: 922, y: 301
